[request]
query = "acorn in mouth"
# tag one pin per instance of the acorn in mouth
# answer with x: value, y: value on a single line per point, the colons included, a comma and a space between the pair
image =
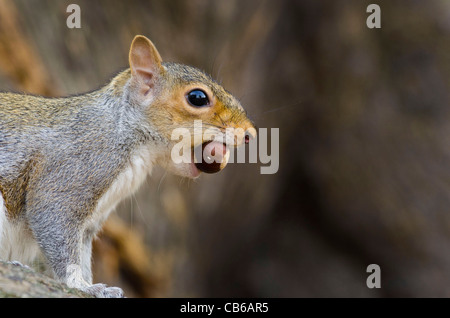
x: 211, y: 157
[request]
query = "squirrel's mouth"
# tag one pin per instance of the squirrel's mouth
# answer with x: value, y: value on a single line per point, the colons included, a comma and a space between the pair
x: 211, y: 156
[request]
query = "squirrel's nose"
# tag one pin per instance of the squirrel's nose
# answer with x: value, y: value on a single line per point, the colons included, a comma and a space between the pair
x: 250, y: 134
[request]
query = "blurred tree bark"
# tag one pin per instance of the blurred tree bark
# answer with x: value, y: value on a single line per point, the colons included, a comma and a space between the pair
x: 18, y: 59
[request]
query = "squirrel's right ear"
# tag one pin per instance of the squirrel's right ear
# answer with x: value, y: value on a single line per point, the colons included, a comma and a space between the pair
x: 145, y: 63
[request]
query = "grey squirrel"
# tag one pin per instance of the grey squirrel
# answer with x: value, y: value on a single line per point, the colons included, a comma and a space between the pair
x: 65, y: 163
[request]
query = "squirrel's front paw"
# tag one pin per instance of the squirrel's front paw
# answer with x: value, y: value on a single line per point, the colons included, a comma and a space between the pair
x: 102, y: 291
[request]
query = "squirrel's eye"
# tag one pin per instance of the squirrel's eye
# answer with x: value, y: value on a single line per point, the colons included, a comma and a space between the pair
x: 198, y: 98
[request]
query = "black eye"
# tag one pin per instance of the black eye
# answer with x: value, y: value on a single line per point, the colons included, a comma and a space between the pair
x: 198, y: 98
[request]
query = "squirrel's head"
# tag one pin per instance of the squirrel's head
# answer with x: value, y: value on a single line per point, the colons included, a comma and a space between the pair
x: 195, y: 116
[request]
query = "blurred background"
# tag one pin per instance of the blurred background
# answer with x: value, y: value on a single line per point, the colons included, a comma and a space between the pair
x: 364, y: 122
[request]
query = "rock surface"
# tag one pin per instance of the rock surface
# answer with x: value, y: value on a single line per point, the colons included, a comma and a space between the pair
x: 22, y: 282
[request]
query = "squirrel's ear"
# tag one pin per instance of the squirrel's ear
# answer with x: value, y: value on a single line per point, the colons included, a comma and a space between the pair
x: 145, y: 63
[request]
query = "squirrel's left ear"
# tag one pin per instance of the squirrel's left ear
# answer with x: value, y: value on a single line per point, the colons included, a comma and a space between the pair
x: 145, y: 63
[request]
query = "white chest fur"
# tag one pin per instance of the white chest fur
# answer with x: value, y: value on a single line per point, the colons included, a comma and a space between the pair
x: 127, y: 182
x: 16, y: 241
